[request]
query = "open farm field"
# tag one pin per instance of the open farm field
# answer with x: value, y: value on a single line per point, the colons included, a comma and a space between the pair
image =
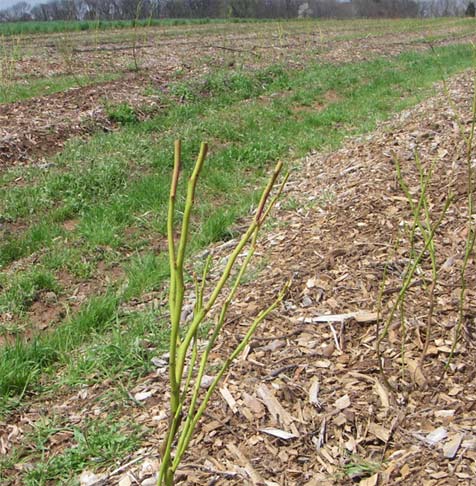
x: 364, y: 373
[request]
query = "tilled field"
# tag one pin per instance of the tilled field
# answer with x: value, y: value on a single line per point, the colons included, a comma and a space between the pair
x: 335, y: 388
x: 33, y: 129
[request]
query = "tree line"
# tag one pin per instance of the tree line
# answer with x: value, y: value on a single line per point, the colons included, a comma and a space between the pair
x: 143, y: 9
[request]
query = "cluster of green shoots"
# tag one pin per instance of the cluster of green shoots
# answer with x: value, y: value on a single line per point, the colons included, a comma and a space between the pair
x: 9, y: 55
x: 188, y: 363
x: 421, y: 237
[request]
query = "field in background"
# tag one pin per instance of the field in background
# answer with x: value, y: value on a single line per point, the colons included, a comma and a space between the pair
x: 87, y: 124
x: 37, y: 27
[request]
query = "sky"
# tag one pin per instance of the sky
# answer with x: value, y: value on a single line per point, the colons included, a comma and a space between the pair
x: 9, y: 3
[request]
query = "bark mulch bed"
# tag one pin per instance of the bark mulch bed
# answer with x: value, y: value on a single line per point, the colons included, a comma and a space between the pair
x: 306, y: 404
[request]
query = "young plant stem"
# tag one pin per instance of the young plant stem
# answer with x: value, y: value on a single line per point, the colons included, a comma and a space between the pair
x: 471, y: 230
x: 407, y: 280
x: 425, y: 229
x: 136, y: 35
x: 181, y: 387
x: 185, y: 438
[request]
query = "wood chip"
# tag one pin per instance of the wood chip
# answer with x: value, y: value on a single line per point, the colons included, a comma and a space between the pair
x: 450, y: 448
x: 361, y: 316
x: 280, y: 434
x: 382, y: 392
x: 225, y: 393
x: 371, y: 481
x: 380, y: 432
x: 436, y: 436
x: 274, y: 407
x: 314, y: 392
x: 342, y: 402
x: 250, y: 470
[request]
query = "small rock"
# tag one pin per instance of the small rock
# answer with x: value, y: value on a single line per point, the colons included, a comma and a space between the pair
x: 306, y: 301
x: 50, y: 297
x: 149, y: 466
x: 141, y: 396
x: 161, y: 361
x: 88, y: 478
x: 149, y: 482
x: 206, y: 381
x: 46, y: 165
x: 125, y: 481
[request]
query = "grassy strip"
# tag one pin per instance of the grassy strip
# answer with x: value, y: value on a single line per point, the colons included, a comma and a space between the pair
x: 98, y: 440
x: 52, y: 26
x: 299, y: 116
x: 31, y: 88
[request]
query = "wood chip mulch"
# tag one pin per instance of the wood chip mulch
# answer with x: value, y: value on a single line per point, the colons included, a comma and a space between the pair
x: 306, y: 404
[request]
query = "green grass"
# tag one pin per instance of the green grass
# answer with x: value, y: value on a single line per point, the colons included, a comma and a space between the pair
x: 358, y: 468
x: 99, y: 440
x: 21, y: 290
x: 52, y: 26
x: 30, y: 88
x: 122, y: 113
x: 22, y: 362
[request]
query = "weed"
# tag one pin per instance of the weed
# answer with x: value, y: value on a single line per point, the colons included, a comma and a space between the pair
x: 358, y: 468
x: 96, y: 441
x: 19, y: 292
x: 122, y: 113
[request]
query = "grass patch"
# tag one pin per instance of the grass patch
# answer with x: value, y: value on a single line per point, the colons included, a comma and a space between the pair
x: 23, y: 89
x: 122, y: 354
x: 20, y: 291
x: 122, y: 113
x: 96, y: 441
x: 22, y: 362
x: 52, y: 26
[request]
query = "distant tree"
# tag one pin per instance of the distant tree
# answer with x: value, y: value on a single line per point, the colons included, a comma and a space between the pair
x: 470, y: 10
x: 243, y: 8
x: 18, y: 11
x: 386, y: 8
